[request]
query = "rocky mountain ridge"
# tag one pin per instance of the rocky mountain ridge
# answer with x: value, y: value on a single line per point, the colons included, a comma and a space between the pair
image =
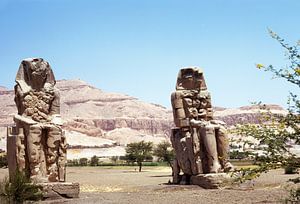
x: 114, y: 119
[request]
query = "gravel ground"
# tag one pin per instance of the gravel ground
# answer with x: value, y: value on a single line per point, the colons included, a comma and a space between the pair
x: 126, y: 185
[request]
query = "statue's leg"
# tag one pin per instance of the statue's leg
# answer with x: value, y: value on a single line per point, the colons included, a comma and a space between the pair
x: 191, y: 167
x: 223, y: 148
x: 209, y: 140
x: 21, y: 149
x: 197, y: 149
x: 181, y: 162
x: 176, y: 144
x: 53, y: 142
x: 176, y: 172
x: 34, y: 151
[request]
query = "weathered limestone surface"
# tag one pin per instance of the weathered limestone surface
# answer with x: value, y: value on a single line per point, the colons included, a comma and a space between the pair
x: 211, y: 181
x: 36, y: 144
x: 60, y: 190
x: 199, y: 141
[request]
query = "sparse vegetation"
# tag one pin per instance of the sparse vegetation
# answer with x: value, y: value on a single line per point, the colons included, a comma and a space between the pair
x: 238, y: 155
x: 74, y: 162
x: 275, y: 132
x: 114, y: 159
x: 20, y: 189
x: 3, y: 161
x: 119, y: 162
x: 294, y: 192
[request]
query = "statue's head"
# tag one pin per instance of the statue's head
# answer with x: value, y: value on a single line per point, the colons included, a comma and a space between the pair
x: 35, y: 73
x: 190, y: 78
x: 37, y: 69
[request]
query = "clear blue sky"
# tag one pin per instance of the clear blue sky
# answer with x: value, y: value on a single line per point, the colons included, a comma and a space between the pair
x: 137, y: 46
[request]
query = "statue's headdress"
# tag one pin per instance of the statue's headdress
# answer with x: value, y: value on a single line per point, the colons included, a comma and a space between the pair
x: 23, y: 77
x: 195, y: 73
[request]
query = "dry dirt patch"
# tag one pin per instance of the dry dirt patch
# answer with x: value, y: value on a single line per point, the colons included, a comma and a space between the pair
x: 127, y: 185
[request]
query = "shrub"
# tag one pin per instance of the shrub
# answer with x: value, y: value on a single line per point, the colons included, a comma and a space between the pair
x: 294, y: 196
x: 20, y: 189
x: 290, y: 169
x: 294, y: 192
x: 292, y: 166
x: 3, y: 161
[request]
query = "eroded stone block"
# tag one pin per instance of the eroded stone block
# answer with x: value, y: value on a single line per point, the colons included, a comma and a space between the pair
x: 212, y: 181
x: 57, y: 190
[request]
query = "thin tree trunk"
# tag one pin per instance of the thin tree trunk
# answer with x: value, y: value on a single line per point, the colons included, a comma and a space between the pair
x: 140, y: 166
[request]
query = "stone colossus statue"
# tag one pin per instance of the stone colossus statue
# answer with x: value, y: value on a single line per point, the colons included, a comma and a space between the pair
x: 40, y: 143
x: 200, y: 143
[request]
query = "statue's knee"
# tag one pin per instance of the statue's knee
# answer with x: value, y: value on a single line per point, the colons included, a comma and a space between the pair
x: 55, y: 132
x: 54, y: 136
x: 35, y: 130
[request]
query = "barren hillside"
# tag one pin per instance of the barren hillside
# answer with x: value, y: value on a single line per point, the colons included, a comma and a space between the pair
x: 97, y: 119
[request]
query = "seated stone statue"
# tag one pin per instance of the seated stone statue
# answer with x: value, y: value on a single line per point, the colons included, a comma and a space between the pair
x: 38, y: 122
x: 199, y: 142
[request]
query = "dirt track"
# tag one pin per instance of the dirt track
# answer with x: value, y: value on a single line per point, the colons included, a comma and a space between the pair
x: 125, y: 185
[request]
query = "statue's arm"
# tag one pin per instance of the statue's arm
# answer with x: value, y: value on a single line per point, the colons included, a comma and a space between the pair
x: 55, y: 109
x: 55, y: 105
x: 19, y: 96
x: 18, y: 91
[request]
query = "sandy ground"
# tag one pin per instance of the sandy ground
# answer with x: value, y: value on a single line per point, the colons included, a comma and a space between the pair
x: 126, y: 185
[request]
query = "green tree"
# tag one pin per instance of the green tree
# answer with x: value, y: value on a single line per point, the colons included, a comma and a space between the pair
x: 114, y: 159
x: 139, y: 152
x: 94, y: 161
x: 275, y: 131
x: 164, y: 152
x: 83, y: 161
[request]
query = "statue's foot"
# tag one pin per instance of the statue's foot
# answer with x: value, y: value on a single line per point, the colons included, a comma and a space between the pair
x: 185, y: 179
x: 53, y: 177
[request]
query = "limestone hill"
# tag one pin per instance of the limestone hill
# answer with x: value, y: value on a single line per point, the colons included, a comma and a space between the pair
x: 98, y: 121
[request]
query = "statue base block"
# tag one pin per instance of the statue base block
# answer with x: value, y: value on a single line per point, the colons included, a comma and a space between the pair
x: 53, y: 191
x: 211, y: 181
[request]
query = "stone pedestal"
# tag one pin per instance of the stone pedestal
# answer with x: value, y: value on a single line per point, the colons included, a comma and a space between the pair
x: 212, y: 181
x: 53, y: 191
